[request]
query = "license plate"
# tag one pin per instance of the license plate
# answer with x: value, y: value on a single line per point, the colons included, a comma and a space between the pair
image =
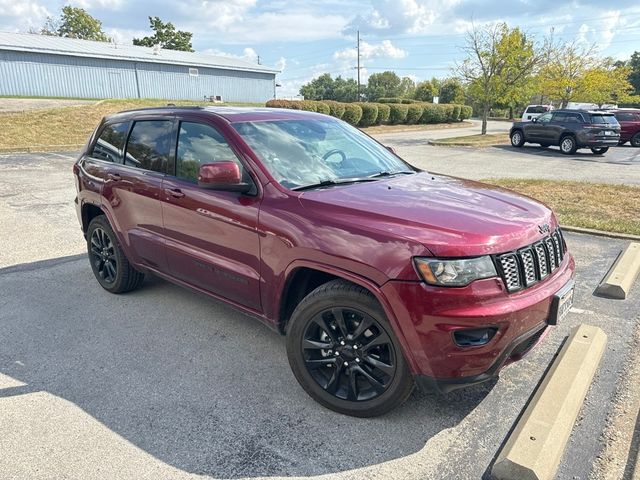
x: 608, y: 132
x: 561, y: 304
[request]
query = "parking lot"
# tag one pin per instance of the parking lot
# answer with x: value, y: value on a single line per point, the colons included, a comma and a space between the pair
x: 171, y: 384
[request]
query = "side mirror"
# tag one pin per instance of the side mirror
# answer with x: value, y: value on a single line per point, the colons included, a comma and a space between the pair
x: 391, y: 149
x: 224, y: 176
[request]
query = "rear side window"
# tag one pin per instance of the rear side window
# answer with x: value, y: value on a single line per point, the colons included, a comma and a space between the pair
x: 110, y: 143
x: 560, y: 117
x: 604, y: 119
x: 199, y: 144
x: 150, y: 145
x: 627, y: 117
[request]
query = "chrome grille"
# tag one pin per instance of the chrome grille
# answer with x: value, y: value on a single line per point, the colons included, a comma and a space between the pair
x: 531, y: 264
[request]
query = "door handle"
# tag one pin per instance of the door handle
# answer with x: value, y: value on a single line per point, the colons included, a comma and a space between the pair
x: 174, y: 192
x: 114, y: 177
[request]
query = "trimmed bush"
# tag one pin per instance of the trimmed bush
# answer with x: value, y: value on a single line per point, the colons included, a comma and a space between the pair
x: 414, y: 112
x: 398, y: 113
x: 307, y: 105
x: 322, y: 107
x: 429, y: 114
x: 397, y: 100
x: 456, y: 112
x: 384, y: 111
x: 352, y: 113
x: 336, y: 109
x: 448, y: 111
x: 465, y: 112
x: 369, y: 114
x: 278, y: 103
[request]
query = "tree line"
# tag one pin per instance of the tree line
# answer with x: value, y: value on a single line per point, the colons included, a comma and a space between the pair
x: 76, y: 22
x: 504, y: 68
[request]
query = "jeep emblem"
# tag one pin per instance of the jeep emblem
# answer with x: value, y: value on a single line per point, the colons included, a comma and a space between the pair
x: 544, y: 228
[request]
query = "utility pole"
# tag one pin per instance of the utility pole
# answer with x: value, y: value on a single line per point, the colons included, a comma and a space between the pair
x: 358, y: 67
x: 258, y: 59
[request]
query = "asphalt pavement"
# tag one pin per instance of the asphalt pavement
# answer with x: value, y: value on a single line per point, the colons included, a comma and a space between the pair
x: 164, y: 383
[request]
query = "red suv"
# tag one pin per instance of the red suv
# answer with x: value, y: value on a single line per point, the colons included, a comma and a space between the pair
x: 629, y: 120
x: 378, y: 273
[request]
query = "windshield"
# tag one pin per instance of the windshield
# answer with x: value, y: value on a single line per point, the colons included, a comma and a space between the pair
x: 604, y: 119
x: 303, y: 153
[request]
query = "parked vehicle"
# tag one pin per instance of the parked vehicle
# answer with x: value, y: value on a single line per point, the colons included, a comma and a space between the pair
x: 534, y: 111
x: 379, y: 274
x: 570, y: 130
x: 629, y: 120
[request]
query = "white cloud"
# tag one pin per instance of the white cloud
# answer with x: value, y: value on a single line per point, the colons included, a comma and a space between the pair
x: 281, y: 64
x: 89, y: 4
x: 384, y: 49
x: 403, y: 16
x: 20, y: 15
x: 248, y: 54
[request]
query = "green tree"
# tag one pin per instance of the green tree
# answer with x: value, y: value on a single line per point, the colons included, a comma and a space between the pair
x: 75, y: 22
x: 407, y: 87
x: 451, y: 91
x: 385, y: 84
x: 426, y: 90
x: 326, y: 88
x: 499, y: 60
x: 166, y: 35
x: 634, y: 76
x: 604, y: 83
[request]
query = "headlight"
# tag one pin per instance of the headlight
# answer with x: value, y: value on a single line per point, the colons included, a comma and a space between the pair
x: 455, y: 273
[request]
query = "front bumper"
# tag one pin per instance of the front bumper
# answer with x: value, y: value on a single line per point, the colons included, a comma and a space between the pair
x: 427, y: 316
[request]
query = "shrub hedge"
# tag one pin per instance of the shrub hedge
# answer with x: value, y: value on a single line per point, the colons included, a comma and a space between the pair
x: 397, y: 100
x: 384, y: 111
x: 352, y: 113
x: 367, y: 114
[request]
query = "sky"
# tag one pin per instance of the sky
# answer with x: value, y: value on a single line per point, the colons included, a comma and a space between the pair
x: 416, y: 38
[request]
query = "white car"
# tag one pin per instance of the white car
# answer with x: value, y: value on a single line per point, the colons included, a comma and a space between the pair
x: 534, y: 111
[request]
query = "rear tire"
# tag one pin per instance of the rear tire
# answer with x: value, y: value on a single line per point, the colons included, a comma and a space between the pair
x: 344, y: 353
x: 108, y: 262
x: 635, y: 140
x: 517, y: 138
x: 600, y: 150
x: 568, y: 145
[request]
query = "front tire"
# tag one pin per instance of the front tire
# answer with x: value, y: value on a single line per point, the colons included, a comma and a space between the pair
x: 108, y: 262
x: 600, y: 150
x: 344, y: 354
x: 568, y: 145
x: 635, y: 140
x: 517, y: 138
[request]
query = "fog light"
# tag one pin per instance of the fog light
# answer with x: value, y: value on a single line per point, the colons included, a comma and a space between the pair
x: 474, y: 337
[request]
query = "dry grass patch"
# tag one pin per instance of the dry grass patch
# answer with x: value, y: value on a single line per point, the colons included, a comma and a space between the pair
x: 65, y: 126
x: 612, y: 208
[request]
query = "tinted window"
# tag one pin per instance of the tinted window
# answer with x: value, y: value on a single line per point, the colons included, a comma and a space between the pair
x: 110, y: 143
x: 537, y: 109
x: 559, y: 117
x: 544, y: 118
x: 604, y: 119
x: 199, y: 144
x: 149, y: 145
x: 574, y: 118
x: 626, y: 116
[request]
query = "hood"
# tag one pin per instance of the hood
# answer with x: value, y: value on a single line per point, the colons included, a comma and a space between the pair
x: 449, y: 216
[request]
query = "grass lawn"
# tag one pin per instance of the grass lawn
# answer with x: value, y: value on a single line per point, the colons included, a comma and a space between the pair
x: 473, y: 140
x: 66, y: 126
x: 612, y: 208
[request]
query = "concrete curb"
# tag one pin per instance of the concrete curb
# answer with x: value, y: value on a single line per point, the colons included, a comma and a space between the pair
x: 42, y: 149
x: 620, y: 278
x: 600, y: 233
x: 535, y: 447
x: 439, y: 143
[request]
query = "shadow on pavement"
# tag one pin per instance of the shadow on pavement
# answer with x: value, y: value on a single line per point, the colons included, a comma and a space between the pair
x: 191, y: 381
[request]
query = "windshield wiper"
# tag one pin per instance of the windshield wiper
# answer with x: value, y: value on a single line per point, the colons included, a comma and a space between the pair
x: 390, y: 174
x: 329, y: 182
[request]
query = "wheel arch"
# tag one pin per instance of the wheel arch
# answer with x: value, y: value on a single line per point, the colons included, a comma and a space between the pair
x: 90, y: 211
x: 290, y: 297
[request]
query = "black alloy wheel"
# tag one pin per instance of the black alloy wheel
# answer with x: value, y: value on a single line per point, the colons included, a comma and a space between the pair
x: 349, y: 354
x: 103, y: 255
x: 344, y: 353
x: 108, y: 262
x: 599, y: 150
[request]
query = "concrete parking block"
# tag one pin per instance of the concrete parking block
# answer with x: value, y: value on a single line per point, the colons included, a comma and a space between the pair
x: 623, y: 273
x: 534, y: 449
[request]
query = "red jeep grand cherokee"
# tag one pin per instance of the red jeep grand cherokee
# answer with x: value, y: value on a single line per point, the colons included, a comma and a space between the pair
x: 378, y: 273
